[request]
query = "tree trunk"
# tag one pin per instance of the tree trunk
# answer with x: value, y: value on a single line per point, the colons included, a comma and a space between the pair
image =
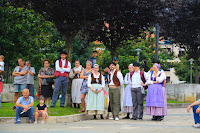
x: 68, y: 45
x: 196, y: 70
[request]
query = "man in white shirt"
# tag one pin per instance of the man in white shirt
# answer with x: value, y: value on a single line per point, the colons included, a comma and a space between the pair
x: 115, y: 79
x: 139, y: 79
x: 63, y: 68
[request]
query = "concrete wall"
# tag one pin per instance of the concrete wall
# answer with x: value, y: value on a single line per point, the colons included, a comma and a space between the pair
x: 174, y: 92
x: 8, y: 93
x: 183, y: 92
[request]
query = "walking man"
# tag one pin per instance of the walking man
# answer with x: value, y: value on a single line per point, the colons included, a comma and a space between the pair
x: 63, y: 68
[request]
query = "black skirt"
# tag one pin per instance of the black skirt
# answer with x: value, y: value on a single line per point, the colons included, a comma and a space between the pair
x: 46, y: 91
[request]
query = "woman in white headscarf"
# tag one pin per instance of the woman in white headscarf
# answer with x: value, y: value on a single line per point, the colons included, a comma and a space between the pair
x: 128, y: 105
x: 96, y: 99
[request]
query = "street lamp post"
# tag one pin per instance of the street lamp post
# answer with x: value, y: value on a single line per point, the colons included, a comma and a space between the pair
x: 191, y: 62
x: 138, y: 54
x: 156, y: 29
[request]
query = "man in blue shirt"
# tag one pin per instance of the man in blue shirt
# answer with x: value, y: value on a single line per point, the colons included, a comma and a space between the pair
x: 196, y: 112
x: 24, y: 106
x: 93, y: 58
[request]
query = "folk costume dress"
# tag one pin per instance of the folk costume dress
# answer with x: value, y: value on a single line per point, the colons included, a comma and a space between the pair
x: 76, y: 85
x: 156, y: 98
x: 128, y: 104
x: 95, y: 101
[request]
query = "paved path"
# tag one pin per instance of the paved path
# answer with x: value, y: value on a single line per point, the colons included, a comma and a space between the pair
x: 178, y: 121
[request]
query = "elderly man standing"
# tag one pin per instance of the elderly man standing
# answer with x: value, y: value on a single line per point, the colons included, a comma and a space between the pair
x: 20, y: 78
x: 24, y: 106
x: 63, y: 68
x: 30, y: 78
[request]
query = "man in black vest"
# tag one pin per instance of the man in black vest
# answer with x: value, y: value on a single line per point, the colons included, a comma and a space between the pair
x: 138, y: 83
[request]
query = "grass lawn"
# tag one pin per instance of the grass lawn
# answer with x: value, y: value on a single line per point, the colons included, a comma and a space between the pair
x: 7, y: 111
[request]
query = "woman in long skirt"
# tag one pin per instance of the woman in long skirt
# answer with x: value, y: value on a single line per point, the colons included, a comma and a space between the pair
x: 128, y: 105
x: 155, y: 100
x: 96, y: 99
x: 84, y: 89
x: 76, y: 84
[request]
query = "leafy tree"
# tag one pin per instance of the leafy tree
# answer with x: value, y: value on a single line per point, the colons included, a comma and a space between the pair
x: 182, y: 25
x: 128, y: 55
x: 25, y: 34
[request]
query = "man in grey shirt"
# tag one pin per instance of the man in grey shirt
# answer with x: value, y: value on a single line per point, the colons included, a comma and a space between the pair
x: 20, y: 78
x: 30, y: 78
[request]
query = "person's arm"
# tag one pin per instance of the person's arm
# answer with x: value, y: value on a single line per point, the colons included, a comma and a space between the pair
x: 161, y: 78
x: 68, y: 67
x: 37, y: 110
x: 58, y: 67
x: 45, y: 109
x: 89, y: 81
x: 82, y: 76
x: 120, y: 77
x: 193, y: 104
x: 102, y: 81
x: 31, y: 72
x: 126, y: 81
x: 40, y: 82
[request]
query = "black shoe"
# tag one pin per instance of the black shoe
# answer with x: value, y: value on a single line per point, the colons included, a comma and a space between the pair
x: 140, y: 118
x: 52, y: 106
x: 154, y: 118
x: 126, y: 117
x: 101, y: 117
x: 133, y: 119
x: 95, y: 117
x: 159, y: 118
x: 62, y: 106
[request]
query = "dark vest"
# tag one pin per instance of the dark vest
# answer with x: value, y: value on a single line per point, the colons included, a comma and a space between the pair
x: 94, y: 80
x: 115, y: 79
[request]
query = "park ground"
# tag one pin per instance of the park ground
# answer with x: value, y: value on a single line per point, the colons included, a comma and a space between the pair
x: 177, y: 121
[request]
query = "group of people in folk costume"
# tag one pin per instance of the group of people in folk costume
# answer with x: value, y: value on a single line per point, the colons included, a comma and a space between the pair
x: 91, y: 82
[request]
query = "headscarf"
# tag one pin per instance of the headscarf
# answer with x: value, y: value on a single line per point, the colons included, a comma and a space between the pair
x: 90, y: 62
x: 158, y: 66
x: 96, y: 65
x: 131, y: 65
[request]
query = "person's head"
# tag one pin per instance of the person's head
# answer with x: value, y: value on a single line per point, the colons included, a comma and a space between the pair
x: 1, y: 58
x: 28, y: 63
x: 41, y: 100
x: 130, y: 67
x: 94, y: 53
x: 46, y: 63
x: 21, y: 62
x: 102, y: 72
x: 145, y: 62
x: 112, y: 65
x: 25, y: 93
x: 198, y: 110
x: 96, y: 68
x: 77, y: 63
x: 116, y: 60
x: 156, y: 67
x: 156, y: 61
x: 88, y: 64
x: 137, y: 66
x: 63, y: 55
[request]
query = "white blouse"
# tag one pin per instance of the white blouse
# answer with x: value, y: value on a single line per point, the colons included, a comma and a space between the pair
x: 158, y: 79
x: 127, y: 79
x: 102, y: 80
